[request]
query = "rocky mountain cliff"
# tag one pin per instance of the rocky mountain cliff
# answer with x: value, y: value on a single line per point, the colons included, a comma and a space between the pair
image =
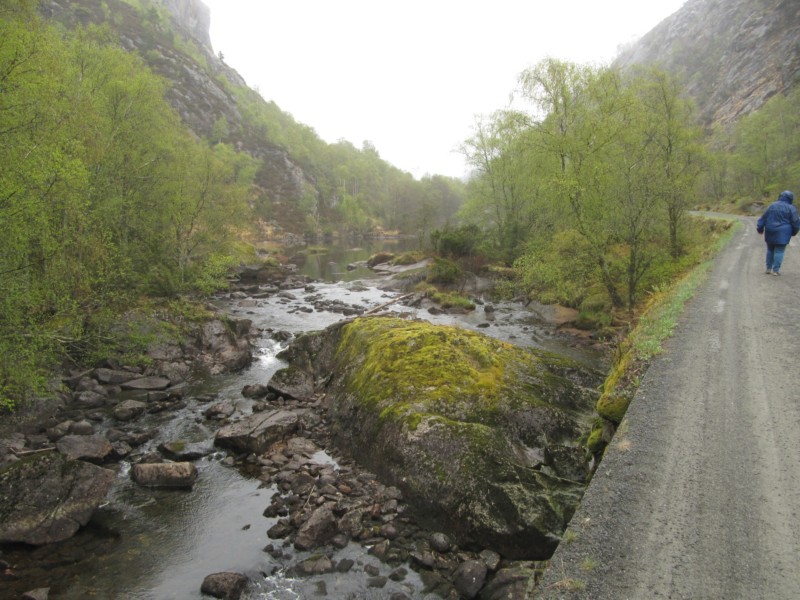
x: 732, y: 54
x: 204, y: 90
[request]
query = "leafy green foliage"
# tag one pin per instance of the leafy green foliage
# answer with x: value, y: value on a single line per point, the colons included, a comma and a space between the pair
x: 587, y: 189
x: 445, y: 271
x: 103, y: 196
x: 759, y: 156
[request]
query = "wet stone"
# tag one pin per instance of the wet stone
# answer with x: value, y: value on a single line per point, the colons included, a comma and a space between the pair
x: 228, y: 586
x: 378, y: 582
x: 147, y: 383
x: 399, y: 574
x: 280, y: 530
x: 82, y: 427
x: 167, y: 475
x: 440, y: 542
x: 94, y: 448
x: 344, y: 565
x: 129, y: 410
x: 469, y: 578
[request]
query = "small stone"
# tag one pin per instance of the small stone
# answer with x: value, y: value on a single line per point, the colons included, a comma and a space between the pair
x: 344, y: 565
x: 440, y: 542
x: 377, y: 582
x: 82, y: 427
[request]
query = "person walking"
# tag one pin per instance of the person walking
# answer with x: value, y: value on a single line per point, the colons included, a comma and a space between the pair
x: 779, y: 223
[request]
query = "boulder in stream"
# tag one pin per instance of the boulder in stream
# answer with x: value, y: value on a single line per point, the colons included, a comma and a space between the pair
x: 46, y: 498
x: 94, y: 448
x: 257, y: 432
x: 228, y: 586
x: 165, y: 475
x: 462, y: 423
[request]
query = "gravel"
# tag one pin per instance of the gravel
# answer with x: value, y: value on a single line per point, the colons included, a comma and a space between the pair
x: 698, y: 495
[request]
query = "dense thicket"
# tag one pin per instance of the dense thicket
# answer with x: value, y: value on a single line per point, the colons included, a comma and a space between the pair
x: 757, y: 157
x: 585, y: 188
x: 104, y: 195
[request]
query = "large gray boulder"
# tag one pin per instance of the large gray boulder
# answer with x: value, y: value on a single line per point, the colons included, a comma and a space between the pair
x: 46, y: 498
x: 257, y: 432
x: 480, y: 435
x: 94, y: 448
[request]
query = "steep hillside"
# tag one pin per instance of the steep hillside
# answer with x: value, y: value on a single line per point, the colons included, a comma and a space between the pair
x: 202, y: 87
x: 733, y: 54
x: 304, y: 185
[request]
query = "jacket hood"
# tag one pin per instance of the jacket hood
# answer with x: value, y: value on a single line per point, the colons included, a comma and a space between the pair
x: 786, y: 196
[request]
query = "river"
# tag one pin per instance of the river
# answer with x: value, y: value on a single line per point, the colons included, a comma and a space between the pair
x: 157, y: 545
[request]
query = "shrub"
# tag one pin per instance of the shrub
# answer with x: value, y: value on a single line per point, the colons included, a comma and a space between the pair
x: 445, y: 271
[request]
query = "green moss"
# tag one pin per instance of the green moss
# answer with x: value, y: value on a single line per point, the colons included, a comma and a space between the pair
x: 408, y: 258
x: 379, y: 258
x: 595, y: 443
x: 452, y: 300
x: 416, y: 361
x: 613, y: 406
x: 411, y: 369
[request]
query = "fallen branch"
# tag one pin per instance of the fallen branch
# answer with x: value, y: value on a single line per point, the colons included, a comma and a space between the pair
x: 29, y: 452
x: 382, y: 306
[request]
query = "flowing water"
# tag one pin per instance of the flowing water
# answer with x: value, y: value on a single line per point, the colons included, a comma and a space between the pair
x: 156, y: 545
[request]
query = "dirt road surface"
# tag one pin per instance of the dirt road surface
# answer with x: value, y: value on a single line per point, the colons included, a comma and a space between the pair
x: 698, y: 496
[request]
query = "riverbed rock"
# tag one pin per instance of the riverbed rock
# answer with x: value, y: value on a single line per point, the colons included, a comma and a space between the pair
x: 256, y: 390
x: 469, y: 578
x: 292, y: 383
x: 181, y: 451
x: 115, y: 376
x: 146, y: 383
x: 257, y: 432
x: 90, y: 399
x: 318, y: 529
x: 94, y: 448
x: 512, y: 583
x: 37, y: 594
x: 458, y: 421
x: 228, y: 586
x: 127, y: 410
x: 46, y: 498
x: 164, y: 475
x: 225, y: 345
x: 220, y: 410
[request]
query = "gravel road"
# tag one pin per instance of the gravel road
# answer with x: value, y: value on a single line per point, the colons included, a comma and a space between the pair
x: 698, y: 496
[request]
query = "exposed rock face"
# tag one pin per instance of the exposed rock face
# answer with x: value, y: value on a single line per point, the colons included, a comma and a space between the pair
x: 200, y: 93
x: 46, y: 498
x: 733, y: 55
x: 194, y: 19
x: 477, y: 433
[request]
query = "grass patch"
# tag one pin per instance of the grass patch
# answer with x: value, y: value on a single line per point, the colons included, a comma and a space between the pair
x: 589, y: 564
x: 452, y: 300
x: 408, y: 258
x: 656, y: 325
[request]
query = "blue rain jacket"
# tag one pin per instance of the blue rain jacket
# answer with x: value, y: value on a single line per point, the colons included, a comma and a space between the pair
x: 780, y: 221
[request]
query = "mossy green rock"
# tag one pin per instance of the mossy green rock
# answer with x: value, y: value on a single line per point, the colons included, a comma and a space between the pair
x: 613, y: 407
x: 463, y: 423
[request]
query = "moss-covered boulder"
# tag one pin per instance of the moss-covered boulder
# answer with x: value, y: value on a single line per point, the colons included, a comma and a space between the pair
x: 472, y: 429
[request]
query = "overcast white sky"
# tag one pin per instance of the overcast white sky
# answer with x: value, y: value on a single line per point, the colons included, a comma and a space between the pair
x: 410, y: 76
